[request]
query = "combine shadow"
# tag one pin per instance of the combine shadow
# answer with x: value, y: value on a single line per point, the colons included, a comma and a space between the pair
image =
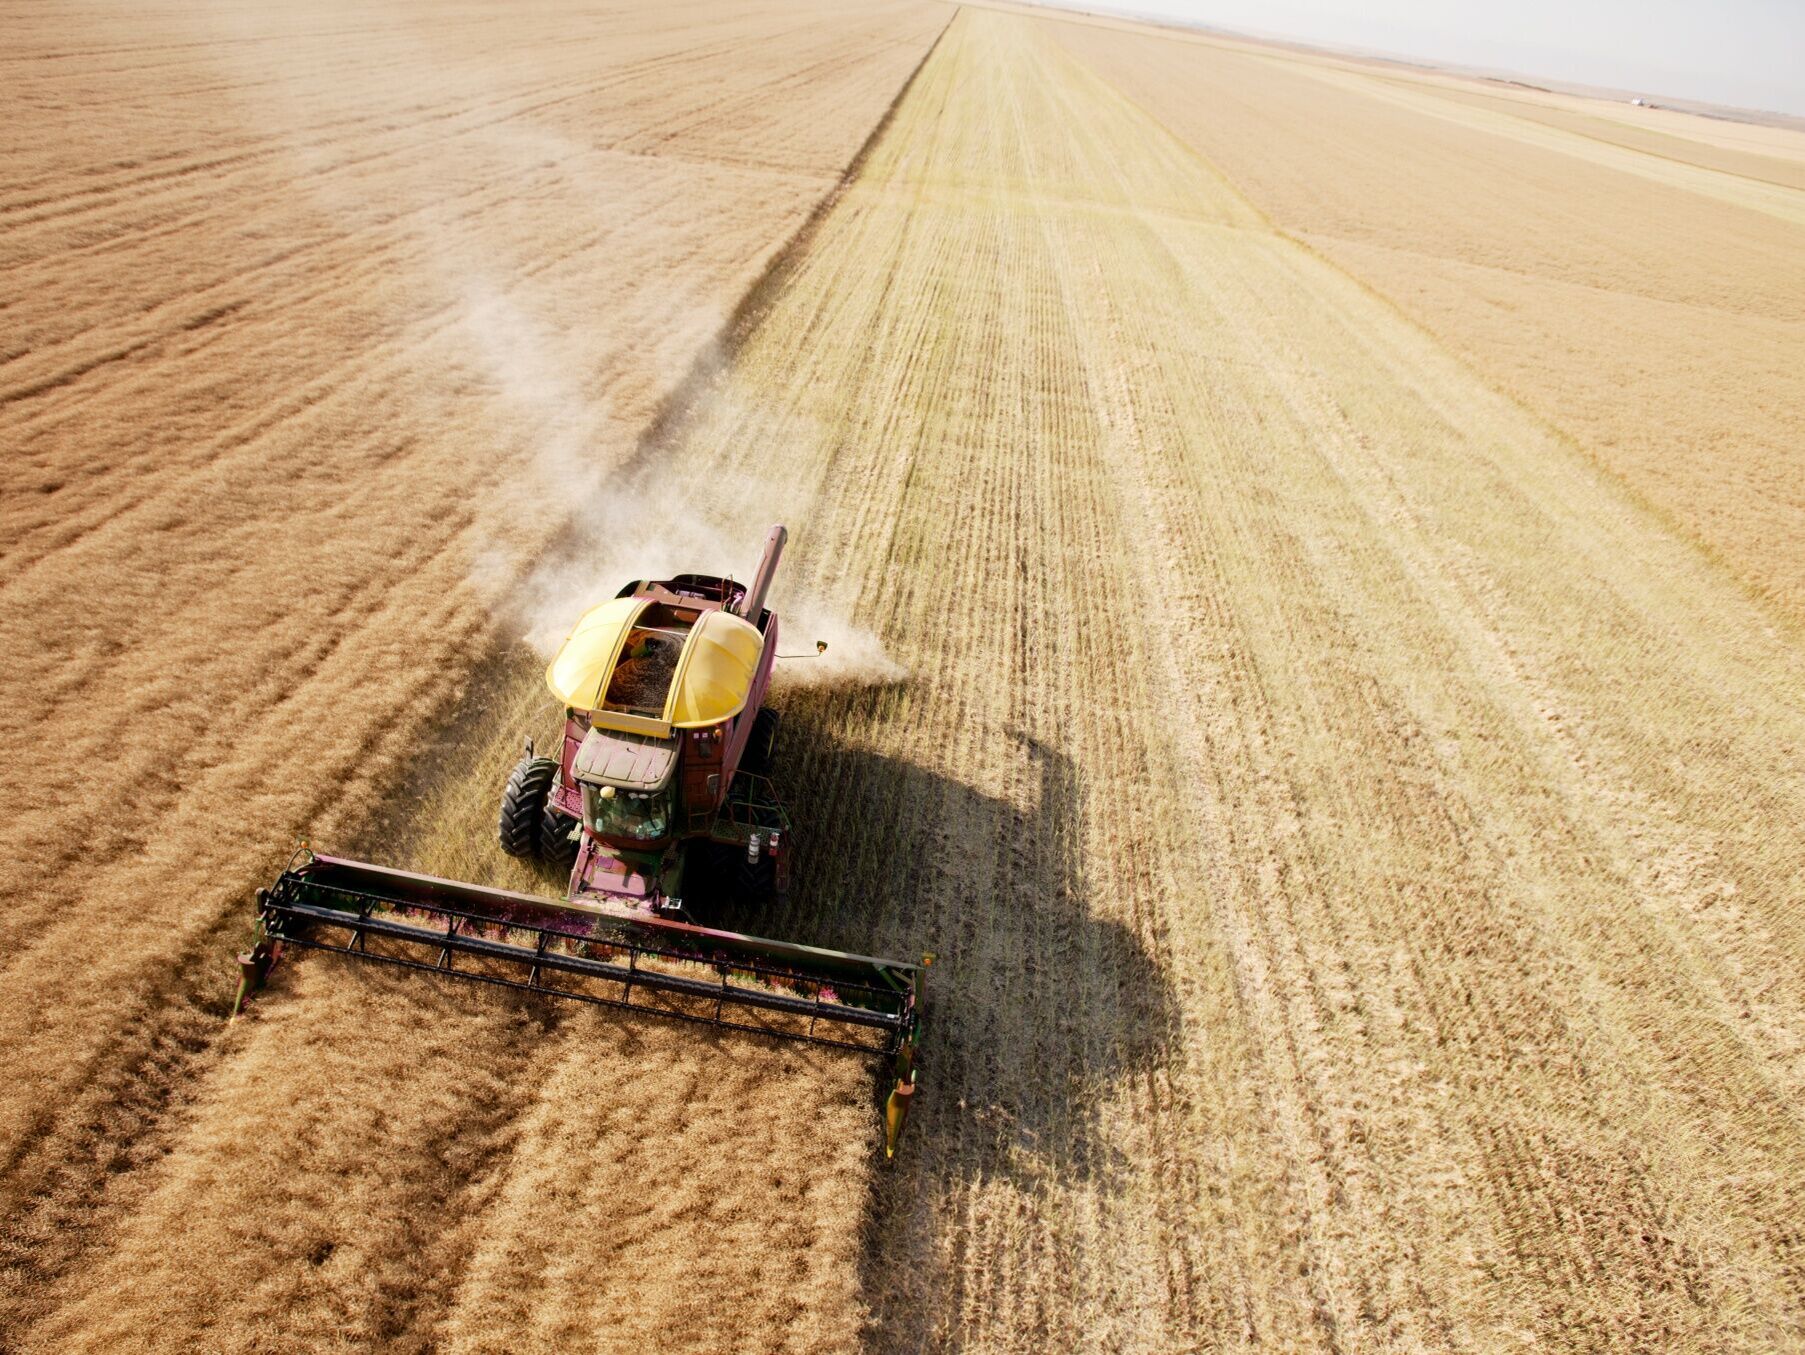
x: 1036, y: 1005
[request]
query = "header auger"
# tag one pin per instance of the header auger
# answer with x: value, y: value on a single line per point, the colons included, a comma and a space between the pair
x: 660, y: 802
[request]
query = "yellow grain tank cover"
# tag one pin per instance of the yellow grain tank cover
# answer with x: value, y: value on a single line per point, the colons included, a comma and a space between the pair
x: 579, y: 675
x: 712, y: 682
x: 714, y: 676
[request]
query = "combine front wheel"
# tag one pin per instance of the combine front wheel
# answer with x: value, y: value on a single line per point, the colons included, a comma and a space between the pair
x: 523, y: 803
x: 556, y: 845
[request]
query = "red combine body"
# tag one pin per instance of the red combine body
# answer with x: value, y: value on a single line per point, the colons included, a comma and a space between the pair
x: 663, y: 777
x: 661, y: 803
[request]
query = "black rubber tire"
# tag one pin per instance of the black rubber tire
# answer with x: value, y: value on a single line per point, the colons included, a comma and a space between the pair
x: 710, y: 876
x: 755, y: 882
x: 523, y: 805
x: 556, y: 846
x: 761, y: 746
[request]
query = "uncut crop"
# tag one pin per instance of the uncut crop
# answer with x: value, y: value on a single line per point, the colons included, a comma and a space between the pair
x: 320, y: 321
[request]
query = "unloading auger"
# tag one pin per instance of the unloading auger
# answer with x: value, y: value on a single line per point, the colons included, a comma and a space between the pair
x: 660, y: 802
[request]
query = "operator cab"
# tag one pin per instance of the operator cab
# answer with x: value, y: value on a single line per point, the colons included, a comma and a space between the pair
x: 626, y: 782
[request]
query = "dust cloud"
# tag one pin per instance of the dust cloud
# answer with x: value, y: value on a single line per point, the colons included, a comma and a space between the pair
x: 647, y: 519
x: 639, y: 528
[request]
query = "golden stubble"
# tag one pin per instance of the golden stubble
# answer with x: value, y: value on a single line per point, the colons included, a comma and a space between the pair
x: 1624, y: 274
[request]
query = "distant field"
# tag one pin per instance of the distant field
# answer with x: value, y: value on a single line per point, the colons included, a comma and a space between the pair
x: 1331, y: 701
x: 1639, y: 289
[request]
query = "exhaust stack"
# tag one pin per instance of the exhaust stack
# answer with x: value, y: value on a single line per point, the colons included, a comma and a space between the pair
x: 754, y: 600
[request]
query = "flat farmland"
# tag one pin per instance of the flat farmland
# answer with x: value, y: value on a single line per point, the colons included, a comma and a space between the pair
x: 1355, y: 812
x: 1636, y: 285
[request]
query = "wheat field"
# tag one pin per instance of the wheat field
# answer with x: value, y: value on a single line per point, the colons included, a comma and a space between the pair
x: 1349, y: 776
x: 314, y: 317
x: 1638, y: 290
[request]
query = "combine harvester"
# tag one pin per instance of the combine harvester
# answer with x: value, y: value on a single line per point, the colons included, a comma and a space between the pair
x: 660, y: 802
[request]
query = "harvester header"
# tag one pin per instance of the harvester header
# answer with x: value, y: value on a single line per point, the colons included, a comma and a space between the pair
x: 661, y: 805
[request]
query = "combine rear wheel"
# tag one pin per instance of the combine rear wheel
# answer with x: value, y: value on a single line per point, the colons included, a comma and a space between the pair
x: 523, y: 804
x: 761, y: 745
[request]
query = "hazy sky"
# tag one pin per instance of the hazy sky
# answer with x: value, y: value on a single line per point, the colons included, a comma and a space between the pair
x: 1750, y: 53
